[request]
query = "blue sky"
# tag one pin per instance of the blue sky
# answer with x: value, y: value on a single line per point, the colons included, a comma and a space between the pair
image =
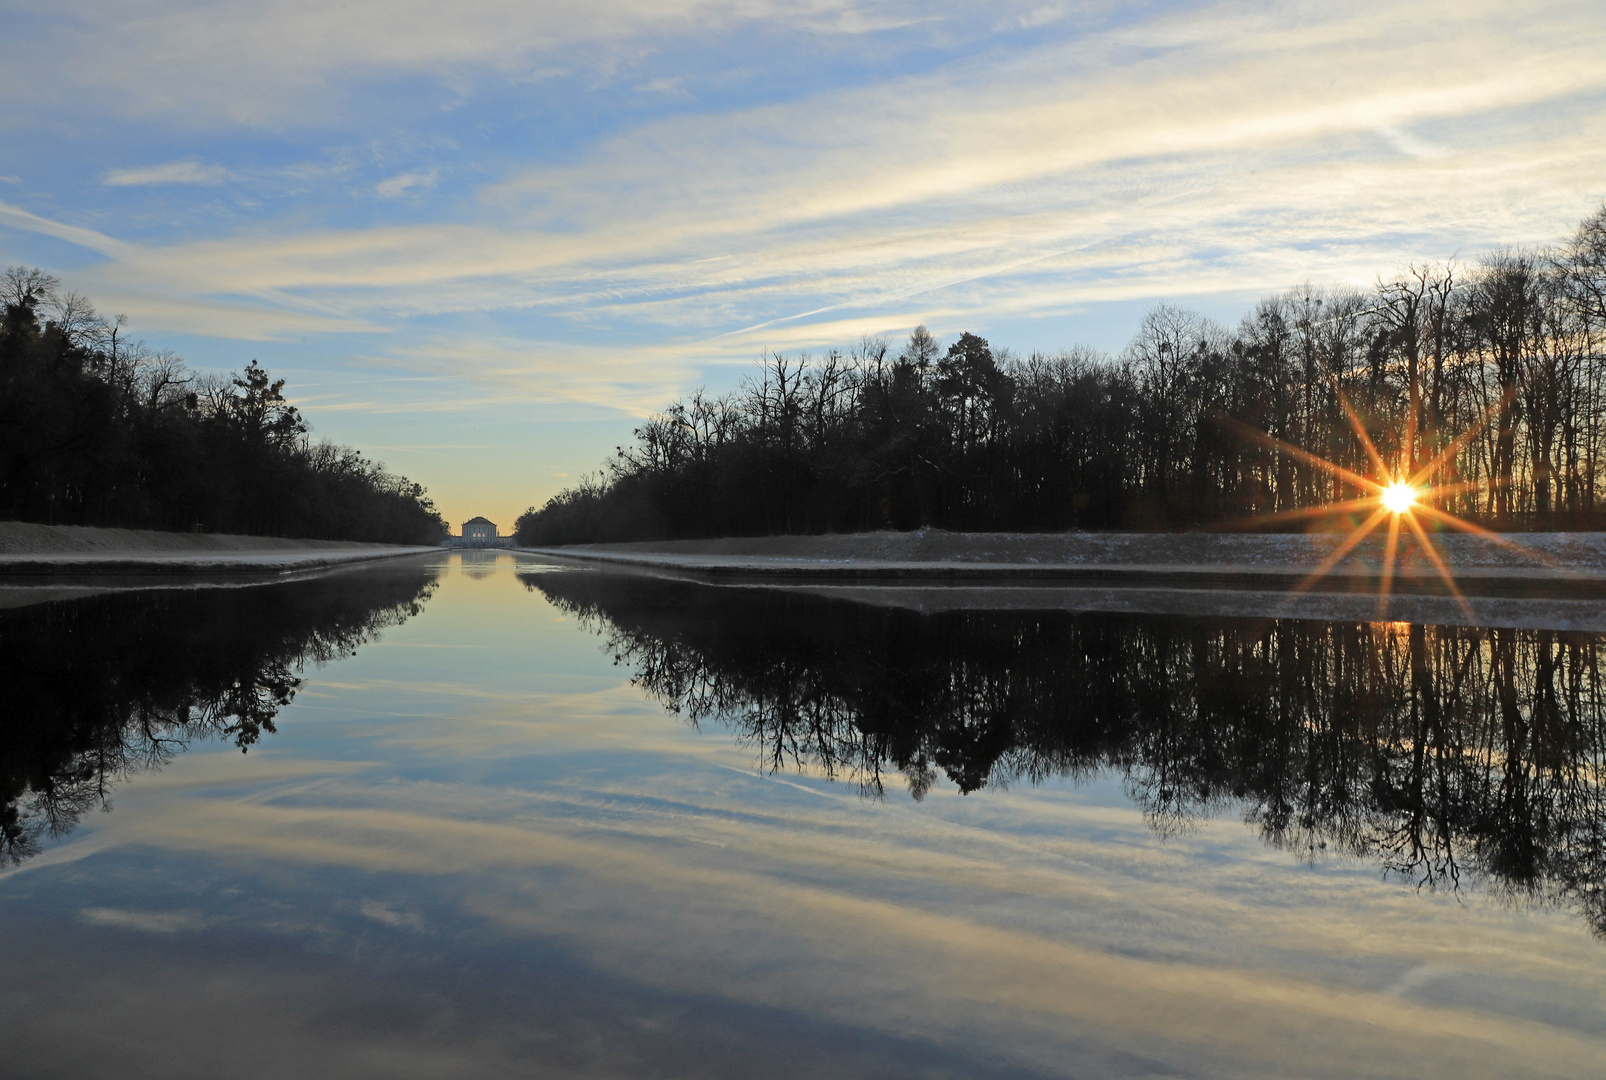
x: 483, y: 239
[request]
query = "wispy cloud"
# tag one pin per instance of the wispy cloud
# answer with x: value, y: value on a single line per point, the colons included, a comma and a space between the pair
x: 273, y: 62
x: 1041, y: 16
x: 664, y: 85
x: 973, y: 174
x: 173, y: 172
x: 406, y: 183
x: 18, y: 218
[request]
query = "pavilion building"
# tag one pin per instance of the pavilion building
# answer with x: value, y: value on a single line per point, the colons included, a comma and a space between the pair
x: 478, y: 532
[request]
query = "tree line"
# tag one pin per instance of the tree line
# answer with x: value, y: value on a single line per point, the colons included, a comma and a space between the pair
x: 1491, y: 375
x: 96, y: 429
x: 1443, y: 755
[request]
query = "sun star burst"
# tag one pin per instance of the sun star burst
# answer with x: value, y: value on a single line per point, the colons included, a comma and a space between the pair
x: 1400, y: 496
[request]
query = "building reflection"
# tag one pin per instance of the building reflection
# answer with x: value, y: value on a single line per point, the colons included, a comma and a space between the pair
x: 479, y: 564
x: 107, y: 686
x: 1446, y: 755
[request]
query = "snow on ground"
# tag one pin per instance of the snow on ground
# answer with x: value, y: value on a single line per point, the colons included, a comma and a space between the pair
x: 1521, y: 554
x: 27, y: 548
x: 1553, y: 581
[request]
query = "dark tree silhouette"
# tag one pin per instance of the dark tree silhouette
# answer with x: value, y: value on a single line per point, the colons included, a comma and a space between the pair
x: 974, y: 437
x: 98, y: 430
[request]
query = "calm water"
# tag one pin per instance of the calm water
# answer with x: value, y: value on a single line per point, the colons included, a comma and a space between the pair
x: 497, y: 818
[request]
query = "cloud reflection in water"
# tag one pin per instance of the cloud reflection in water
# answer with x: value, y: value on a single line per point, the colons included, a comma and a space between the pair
x: 1443, y: 753
x: 503, y: 858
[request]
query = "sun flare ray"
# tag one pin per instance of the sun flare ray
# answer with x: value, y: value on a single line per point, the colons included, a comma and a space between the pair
x: 1390, y: 548
x: 1439, y: 564
x: 1454, y: 446
x: 1361, y: 532
x: 1304, y: 455
x: 1360, y: 433
x: 1306, y: 512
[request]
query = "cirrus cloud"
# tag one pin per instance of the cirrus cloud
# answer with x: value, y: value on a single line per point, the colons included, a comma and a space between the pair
x: 173, y: 172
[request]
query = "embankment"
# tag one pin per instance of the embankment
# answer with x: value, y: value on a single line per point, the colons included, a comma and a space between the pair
x: 29, y: 549
x: 1570, y: 564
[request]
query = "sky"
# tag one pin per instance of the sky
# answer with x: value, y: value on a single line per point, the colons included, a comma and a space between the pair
x: 482, y: 240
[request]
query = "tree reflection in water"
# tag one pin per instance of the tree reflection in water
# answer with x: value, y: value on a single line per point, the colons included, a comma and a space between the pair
x: 104, y: 687
x: 1445, y: 754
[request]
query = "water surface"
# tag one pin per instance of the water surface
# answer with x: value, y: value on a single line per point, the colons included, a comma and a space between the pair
x: 496, y: 817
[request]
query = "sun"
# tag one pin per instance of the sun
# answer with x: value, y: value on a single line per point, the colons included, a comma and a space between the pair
x: 1398, y: 497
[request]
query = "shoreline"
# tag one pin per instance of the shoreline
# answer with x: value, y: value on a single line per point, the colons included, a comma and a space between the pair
x: 32, y: 550
x: 1569, y: 565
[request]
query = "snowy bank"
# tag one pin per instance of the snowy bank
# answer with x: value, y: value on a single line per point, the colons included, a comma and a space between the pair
x: 26, y: 548
x: 1570, y: 563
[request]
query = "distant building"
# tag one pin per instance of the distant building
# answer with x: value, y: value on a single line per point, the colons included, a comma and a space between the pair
x: 478, y: 532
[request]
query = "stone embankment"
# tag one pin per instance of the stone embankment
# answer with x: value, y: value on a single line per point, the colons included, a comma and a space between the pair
x: 1570, y: 564
x: 28, y: 549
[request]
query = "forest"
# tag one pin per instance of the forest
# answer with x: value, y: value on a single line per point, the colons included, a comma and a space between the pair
x: 1490, y: 376
x: 96, y: 429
